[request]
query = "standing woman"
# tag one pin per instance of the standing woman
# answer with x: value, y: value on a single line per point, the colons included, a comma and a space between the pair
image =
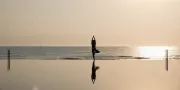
x: 94, y: 50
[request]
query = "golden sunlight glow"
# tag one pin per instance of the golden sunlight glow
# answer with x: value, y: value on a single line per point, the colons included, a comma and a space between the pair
x: 152, y: 51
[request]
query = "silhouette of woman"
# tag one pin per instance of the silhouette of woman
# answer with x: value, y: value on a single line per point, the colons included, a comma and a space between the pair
x: 94, y: 50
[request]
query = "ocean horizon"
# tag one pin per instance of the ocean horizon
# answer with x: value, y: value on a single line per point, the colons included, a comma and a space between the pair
x: 73, y: 53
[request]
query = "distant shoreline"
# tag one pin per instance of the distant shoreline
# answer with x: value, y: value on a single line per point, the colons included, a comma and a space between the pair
x: 79, y: 58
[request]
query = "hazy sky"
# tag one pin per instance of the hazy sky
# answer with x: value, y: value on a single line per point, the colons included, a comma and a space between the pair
x: 73, y: 22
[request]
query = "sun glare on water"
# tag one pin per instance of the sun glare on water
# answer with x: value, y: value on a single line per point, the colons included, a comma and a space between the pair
x: 152, y: 51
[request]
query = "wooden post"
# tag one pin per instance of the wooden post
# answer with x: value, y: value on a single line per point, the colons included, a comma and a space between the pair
x: 8, y: 66
x: 166, y: 64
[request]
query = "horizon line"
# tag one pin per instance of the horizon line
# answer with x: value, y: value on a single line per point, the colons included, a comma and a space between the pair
x: 62, y: 46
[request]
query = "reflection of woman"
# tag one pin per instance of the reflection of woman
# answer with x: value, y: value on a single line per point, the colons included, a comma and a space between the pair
x: 93, y: 75
x: 94, y: 50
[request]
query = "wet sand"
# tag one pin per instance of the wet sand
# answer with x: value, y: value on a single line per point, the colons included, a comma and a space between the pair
x: 75, y: 75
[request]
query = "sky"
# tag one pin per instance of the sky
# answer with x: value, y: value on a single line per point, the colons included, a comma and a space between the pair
x: 74, y: 22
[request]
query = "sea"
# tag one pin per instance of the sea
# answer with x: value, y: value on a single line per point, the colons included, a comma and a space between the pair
x: 72, y: 53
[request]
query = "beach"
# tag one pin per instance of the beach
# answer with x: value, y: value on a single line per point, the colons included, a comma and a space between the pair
x: 75, y: 75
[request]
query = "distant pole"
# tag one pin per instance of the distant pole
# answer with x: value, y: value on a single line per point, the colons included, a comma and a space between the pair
x: 166, y: 60
x: 8, y: 66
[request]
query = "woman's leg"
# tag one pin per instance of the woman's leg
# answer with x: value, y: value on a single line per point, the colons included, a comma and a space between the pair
x: 93, y: 54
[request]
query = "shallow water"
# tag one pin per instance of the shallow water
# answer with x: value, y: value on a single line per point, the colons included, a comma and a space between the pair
x: 75, y: 75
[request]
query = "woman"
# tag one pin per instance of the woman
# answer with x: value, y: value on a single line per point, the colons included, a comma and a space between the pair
x: 94, y: 50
